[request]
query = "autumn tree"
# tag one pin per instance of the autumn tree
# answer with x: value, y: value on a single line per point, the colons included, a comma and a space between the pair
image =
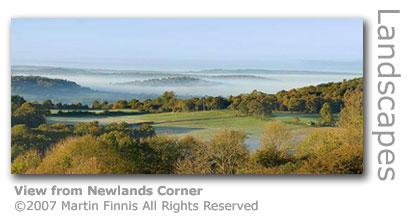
x: 96, y: 105
x: 228, y: 151
x: 326, y: 114
x: 276, y: 143
x: 28, y: 114
x: 48, y: 104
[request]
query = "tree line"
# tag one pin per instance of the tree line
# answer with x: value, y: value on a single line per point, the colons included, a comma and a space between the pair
x: 309, y: 99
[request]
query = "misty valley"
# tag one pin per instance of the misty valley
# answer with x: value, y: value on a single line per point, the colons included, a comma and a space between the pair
x: 110, y: 85
x: 208, y: 121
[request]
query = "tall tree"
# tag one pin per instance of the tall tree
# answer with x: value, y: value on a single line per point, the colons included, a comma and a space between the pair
x: 326, y: 113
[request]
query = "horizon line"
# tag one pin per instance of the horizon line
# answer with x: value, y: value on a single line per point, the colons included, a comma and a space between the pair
x: 184, y: 71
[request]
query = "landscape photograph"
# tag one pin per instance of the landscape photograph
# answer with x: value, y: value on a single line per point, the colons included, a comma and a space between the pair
x: 187, y: 96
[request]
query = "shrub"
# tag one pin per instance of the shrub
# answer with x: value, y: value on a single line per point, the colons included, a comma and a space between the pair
x: 54, y: 132
x: 196, y: 158
x: 287, y: 168
x: 146, y: 130
x: 26, y: 162
x: 228, y: 151
x: 23, y: 139
x: 326, y: 114
x: 82, y: 155
x: 276, y: 135
x: 352, y: 115
x: 275, y: 145
x: 161, y: 154
x: 28, y: 114
x: 328, y: 153
x: 91, y: 128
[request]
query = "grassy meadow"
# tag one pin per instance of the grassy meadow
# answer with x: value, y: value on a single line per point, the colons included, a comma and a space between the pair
x: 202, y: 124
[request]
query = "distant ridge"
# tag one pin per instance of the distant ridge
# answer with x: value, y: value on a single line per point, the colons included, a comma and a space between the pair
x: 185, y: 81
x: 37, y: 88
x: 32, y: 69
x: 267, y: 71
x: 38, y: 84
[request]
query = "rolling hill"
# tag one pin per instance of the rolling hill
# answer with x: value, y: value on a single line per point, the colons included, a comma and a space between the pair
x: 37, y: 88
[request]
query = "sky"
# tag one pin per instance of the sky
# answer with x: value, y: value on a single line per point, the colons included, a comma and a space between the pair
x: 327, y: 44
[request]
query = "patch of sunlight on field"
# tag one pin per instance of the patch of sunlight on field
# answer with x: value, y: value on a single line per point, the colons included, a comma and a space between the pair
x: 185, y: 116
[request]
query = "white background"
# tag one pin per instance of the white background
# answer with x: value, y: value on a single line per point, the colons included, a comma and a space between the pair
x: 280, y: 197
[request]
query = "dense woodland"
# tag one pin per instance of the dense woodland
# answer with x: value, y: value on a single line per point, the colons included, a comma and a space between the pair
x: 90, y: 148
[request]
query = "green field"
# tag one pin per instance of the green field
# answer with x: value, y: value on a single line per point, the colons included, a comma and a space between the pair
x: 203, y: 123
